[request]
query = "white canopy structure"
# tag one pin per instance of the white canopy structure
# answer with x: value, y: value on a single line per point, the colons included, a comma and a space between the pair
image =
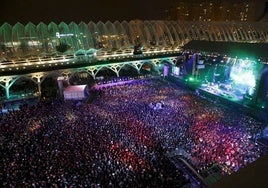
x: 76, y: 92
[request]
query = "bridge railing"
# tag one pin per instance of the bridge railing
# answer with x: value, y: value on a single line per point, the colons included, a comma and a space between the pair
x: 101, y: 55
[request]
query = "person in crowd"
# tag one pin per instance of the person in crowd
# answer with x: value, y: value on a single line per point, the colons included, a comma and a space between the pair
x: 119, y: 140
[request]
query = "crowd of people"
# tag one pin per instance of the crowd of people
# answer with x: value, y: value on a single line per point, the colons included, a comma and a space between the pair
x: 119, y: 140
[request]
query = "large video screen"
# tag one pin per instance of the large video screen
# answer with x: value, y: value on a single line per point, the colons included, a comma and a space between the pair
x: 244, y: 74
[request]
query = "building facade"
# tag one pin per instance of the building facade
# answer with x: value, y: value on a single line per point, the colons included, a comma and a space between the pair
x: 216, y: 10
x: 20, y: 41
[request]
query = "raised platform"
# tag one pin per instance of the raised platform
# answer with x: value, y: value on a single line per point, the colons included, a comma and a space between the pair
x: 226, y: 98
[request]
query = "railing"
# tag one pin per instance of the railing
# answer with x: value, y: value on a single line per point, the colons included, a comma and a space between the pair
x: 38, y: 62
x: 196, y: 179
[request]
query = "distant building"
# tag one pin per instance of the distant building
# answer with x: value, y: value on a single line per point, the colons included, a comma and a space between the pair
x: 216, y: 10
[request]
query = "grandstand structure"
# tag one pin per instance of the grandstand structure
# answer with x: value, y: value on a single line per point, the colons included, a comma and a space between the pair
x: 31, y: 51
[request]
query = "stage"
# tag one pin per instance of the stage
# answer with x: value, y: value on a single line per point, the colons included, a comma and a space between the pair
x: 224, y: 91
x: 224, y: 95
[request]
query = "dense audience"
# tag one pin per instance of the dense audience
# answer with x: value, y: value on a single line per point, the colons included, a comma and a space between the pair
x: 121, y: 138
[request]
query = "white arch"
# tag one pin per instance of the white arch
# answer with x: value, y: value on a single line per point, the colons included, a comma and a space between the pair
x: 21, y: 76
x: 149, y: 62
x: 102, y: 67
x: 131, y: 65
x: 80, y: 71
x: 49, y: 74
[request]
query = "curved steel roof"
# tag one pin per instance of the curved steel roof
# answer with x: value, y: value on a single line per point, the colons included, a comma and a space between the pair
x: 30, y: 39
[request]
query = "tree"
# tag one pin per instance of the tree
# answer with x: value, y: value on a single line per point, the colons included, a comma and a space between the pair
x: 62, y: 47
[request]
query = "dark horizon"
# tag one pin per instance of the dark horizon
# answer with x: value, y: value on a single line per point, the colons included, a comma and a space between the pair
x: 36, y: 11
x: 13, y: 11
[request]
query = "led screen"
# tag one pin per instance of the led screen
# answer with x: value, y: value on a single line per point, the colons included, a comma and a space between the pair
x: 176, y: 71
x: 243, y: 74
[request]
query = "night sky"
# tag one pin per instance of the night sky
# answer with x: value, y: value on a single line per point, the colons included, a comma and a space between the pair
x: 24, y: 11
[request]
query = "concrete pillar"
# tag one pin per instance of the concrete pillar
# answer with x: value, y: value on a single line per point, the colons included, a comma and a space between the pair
x: 7, y: 86
x: 7, y: 92
x: 39, y: 87
x: 115, y: 68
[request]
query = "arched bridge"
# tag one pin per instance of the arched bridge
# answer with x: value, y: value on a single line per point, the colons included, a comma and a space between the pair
x: 37, y: 77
